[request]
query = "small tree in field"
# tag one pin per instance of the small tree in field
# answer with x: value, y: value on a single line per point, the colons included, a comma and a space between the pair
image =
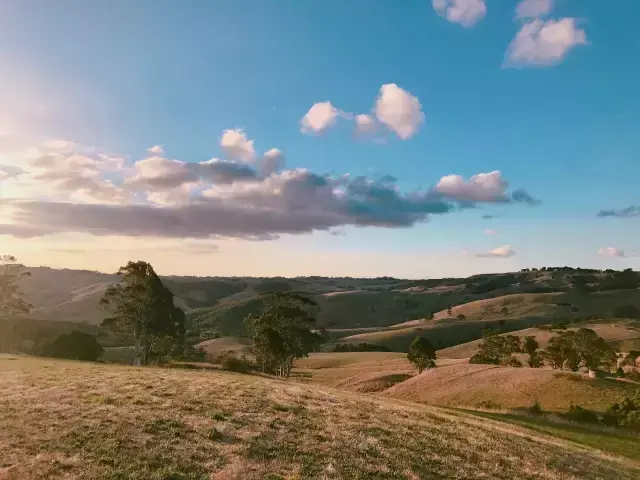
x: 283, y: 331
x: 530, y: 346
x: 422, y: 354
x: 141, y: 305
x: 12, y: 302
x: 498, y: 350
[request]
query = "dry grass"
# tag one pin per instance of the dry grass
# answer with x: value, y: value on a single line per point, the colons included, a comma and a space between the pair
x: 509, y: 388
x: 66, y: 420
x: 611, y: 332
x: 217, y: 346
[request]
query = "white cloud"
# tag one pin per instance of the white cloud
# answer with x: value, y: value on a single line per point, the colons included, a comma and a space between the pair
x: 159, y: 173
x: 236, y: 144
x: 501, y: 252
x: 320, y: 117
x: 528, y: 9
x: 272, y: 161
x: 400, y: 111
x: 465, y: 12
x: 156, y: 150
x: 485, y: 187
x: 489, y: 231
x: 365, y: 124
x: 544, y: 43
x: 611, y: 252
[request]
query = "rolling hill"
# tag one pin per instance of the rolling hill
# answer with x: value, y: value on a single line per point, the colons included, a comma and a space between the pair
x: 510, y: 388
x: 85, y: 421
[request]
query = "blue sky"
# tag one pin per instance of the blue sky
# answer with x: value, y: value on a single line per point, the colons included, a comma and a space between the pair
x: 123, y: 76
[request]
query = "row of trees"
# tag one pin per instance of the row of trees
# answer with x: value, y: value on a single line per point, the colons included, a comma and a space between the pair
x: 569, y: 350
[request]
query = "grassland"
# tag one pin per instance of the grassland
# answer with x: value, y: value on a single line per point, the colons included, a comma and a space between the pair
x: 92, y: 421
x: 510, y: 388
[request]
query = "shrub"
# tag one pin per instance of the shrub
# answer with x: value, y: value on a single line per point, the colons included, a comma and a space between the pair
x: 75, y: 345
x: 625, y: 414
x: 619, y: 373
x: 536, y: 409
x: 228, y: 361
x: 576, y: 413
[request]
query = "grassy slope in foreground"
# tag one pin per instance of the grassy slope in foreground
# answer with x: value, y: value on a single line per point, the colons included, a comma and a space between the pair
x: 86, y: 421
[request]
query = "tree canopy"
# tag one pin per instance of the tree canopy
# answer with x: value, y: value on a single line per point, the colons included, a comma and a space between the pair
x: 581, y: 348
x: 498, y: 350
x: 283, y: 331
x: 422, y: 354
x: 141, y: 305
x: 75, y: 345
x: 11, y: 296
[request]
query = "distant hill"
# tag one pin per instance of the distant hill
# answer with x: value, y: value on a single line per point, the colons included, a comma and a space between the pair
x: 385, y: 311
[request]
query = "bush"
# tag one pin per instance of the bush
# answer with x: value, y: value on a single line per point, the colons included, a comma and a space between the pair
x: 619, y: 373
x: 228, y: 361
x: 624, y: 414
x: 536, y: 409
x: 576, y: 413
x: 75, y: 345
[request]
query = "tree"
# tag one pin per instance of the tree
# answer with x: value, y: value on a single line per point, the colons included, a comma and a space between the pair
x: 498, y: 350
x: 422, y: 354
x: 12, y: 302
x: 11, y: 296
x: 141, y: 305
x: 581, y: 348
x: 283, y: 331
x: 449, y: 310
x: 530, y: 346
x: 504, y: 311
x: 75, y: 345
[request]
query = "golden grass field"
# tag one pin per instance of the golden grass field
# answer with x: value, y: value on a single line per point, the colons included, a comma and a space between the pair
x: 71, y: 420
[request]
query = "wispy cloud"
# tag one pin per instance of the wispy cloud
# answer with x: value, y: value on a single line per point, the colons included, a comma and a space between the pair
x: 501, y: 252
x: 528, y: 9
x: 490, y: 231
x: 628, y: 212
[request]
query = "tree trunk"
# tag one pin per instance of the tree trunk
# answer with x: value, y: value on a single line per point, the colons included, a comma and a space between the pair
x: 136, y: 351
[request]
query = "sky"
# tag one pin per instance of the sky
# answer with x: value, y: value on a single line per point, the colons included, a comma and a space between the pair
x: 415, y: 139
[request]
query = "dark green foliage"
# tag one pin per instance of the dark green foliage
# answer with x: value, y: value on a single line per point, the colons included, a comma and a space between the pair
x: 355, y: 347
x: 449, y: 310
x: 75, y: 345
x: 578, y: 414
x: 141, y: 305
x: 619, y: 372
x: 627, y: 311
x: 627, y: 279
x: 498, y: 350
x: 530, y: 345
x: 422, y: 354
x: 536, y: 409
x: 229, y: 361
x: 582, y: 348
x: 188, y: 353
x: 624, y: 414
x: 535, y: 360
x: 283, y: 332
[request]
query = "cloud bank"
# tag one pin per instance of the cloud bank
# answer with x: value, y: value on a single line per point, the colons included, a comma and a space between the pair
x: 67, y: 188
